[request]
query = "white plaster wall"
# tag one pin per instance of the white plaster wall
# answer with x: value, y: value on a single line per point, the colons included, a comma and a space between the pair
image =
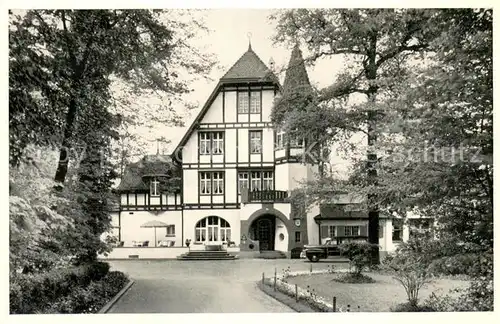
x: 190, y: 150
x: 281, y: 244
x: 191, y: 217
x: 214, y: 112
x: 247, y: 210
x: 131, y: 229
x: 145, y: 253
x: 281, y: 177
x: 230, y: 139
x: 231, y: 190
x: 280, y: 153
x: 312, y: 227
x: 230, y: 107
x: 268, y: 144
x: 267, y: 104
x: 242, y: 145
x: 190, y: 186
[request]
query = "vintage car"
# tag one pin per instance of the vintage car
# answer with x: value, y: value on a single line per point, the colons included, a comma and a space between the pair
x: 317, y: 252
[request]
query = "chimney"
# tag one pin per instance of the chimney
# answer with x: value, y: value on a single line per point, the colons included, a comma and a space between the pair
x: 271, y: 64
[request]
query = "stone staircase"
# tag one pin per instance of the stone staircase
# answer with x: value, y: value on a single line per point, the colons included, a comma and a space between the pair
x: 206, y: 255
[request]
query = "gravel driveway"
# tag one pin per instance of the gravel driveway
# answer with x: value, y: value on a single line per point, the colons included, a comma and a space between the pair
x: 171, y: 286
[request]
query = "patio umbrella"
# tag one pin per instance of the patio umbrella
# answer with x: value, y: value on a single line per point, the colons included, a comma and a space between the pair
x: 154, y: 224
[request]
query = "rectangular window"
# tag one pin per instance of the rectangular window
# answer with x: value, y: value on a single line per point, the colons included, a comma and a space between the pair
x: 256, y: 181
x: 211, y: 183
x: 218, y: 183
x: 242, y: 102
x: 267, y: 180
x: 204, y: 143
x: 242, y: 181
x: 255, y: 142
x: 296, y: 143
x: 351, y: 231
x: 298, y: 236
x: 397, y: 230
x: 218, y: 143
x: 154, y: 188
x: 205, y: 183
x: 280, y: 140
x: 211, y: 143
x: 170, y: 230
x: 255, y: 102
x: 331, y: 231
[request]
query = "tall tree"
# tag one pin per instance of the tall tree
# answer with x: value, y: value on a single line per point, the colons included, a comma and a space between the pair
x: 374, y: 41
x: 78, y: 50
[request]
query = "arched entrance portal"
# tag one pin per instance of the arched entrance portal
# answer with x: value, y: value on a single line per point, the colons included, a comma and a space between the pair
x: 263, y: 229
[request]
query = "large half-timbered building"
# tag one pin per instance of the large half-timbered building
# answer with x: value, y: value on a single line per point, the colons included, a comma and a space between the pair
x: 229, y: 178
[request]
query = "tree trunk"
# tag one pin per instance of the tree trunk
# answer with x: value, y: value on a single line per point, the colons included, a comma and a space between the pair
x: 62, y: 167
x: 373, y: 212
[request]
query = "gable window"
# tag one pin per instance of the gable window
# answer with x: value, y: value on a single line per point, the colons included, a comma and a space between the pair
x: 154, y: 188
x: 242, y: 102
x: 211, y: 143
x: 242, y: 181
x: 351, y: 231
x: 211, y: 183
x: 255, y: 102
x: 255, y: 142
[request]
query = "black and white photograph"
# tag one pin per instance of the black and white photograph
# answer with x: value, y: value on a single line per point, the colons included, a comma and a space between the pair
x: 250, y: 160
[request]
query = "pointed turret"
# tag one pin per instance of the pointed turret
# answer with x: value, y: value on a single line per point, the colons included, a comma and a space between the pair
x: 296, y: 78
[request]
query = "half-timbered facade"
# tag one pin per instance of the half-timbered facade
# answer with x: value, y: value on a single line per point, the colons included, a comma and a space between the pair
x: 229, y: 178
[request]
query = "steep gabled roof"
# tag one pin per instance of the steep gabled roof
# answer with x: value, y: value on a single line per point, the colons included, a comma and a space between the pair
x: 296, y: 77
x: 249, y: 66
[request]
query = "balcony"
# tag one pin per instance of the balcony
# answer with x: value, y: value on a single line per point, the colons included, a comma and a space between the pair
x: 269, y: 196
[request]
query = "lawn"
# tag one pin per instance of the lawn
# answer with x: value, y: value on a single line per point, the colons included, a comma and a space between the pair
x: 371, y: 297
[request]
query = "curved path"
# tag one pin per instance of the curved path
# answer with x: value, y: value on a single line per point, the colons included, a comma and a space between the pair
x: 171, y: 286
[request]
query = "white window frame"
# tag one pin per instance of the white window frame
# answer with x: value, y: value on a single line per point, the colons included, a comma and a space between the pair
x: 243, y: 102
x: 205, y: 142
x: 255, y: 137
x: 280, y: 140
x: 205, y: 183
x: 255, y: 182
x: 217, y: 143
x: 351, y: 231
x: 218, y: 183
x: 243, y: 181
x: 331, y: 231
x: 255, y: 102
x: 267, y: 180
x: 154, y: 187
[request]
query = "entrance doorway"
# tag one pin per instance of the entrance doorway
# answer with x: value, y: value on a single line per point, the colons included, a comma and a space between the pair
x: 263, y: 230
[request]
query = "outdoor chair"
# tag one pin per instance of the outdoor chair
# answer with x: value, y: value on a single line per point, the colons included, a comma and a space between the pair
x: 145, y: 243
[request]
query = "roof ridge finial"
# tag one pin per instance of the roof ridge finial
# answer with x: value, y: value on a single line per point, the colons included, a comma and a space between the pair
x: 249, y: 35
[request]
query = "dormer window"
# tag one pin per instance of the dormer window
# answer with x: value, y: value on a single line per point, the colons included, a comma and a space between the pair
x: 154, y: 187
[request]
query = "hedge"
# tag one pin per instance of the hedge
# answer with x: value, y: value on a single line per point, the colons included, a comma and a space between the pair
x: 41, y: 293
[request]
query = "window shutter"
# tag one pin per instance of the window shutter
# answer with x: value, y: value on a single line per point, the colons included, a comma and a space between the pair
x: 380, y: 232
x: 340, y: 231
x: 363, y: 230
x: 324, y: 231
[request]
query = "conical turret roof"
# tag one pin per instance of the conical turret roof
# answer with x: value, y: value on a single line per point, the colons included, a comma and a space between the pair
x: 296, y: 77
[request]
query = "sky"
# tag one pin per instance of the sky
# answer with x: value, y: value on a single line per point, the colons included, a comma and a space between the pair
x: 231, y: 31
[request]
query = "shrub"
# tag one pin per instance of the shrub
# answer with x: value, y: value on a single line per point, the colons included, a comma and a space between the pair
x: 30, y: 293
x: 354, y: 278
x: 455, y: 265
x: 410, y: 269
x: 409, y: 307
x: 359, y: 255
